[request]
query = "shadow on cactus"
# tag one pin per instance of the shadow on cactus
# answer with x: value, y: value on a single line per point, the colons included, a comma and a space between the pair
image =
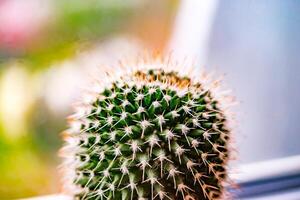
x: 154, y: 131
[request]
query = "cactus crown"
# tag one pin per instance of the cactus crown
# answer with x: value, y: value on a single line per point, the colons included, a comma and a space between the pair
x: 151, y: 134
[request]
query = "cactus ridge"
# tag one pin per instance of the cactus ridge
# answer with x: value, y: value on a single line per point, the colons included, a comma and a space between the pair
x: 151, y: 135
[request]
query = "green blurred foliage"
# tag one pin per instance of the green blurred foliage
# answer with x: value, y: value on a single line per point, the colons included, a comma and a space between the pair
x: 76, y: 24
x: 23, y: 172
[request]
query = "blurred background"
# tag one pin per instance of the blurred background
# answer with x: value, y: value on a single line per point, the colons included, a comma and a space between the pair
x: 50, y: 48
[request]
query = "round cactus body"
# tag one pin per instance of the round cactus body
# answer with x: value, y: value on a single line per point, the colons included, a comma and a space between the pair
x: 149, y: 134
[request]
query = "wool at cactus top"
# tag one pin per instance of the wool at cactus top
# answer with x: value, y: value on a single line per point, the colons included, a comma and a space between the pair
x: 152, y: 134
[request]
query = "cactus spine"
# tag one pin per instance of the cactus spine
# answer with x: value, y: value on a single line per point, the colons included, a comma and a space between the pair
x: 150, y: 133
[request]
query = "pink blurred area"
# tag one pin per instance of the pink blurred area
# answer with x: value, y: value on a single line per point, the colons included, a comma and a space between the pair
x: 21, y: 21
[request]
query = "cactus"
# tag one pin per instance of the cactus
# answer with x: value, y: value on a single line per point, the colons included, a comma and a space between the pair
x: 151, y: 133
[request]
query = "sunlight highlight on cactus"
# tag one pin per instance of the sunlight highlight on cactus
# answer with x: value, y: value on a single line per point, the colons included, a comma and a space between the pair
x: 158, y: 130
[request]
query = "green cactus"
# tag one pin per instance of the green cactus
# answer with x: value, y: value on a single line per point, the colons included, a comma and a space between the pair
x: 151, y: 134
